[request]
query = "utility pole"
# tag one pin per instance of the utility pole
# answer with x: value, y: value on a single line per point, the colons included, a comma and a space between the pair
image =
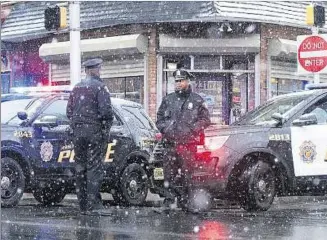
x: 75, y: 42
x: 315, y: 17
x: 316, y: 76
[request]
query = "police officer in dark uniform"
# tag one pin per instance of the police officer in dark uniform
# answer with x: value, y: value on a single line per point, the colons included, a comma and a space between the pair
x: 181, y: 118
x: 90, y: 112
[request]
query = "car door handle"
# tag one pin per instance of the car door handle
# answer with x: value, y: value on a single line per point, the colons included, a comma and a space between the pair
x: 121, y: 134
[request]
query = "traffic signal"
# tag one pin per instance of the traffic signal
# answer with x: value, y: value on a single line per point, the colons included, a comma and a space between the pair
x: 315, y: 15
x: 55, y: 18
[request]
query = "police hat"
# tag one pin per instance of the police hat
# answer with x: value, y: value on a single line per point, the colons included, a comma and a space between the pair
x: 181, y: 74
x: 92, y: 63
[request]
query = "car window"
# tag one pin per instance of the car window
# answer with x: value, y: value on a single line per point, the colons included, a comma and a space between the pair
x: 116, y: 121
x: 264, y: 113
x: 139, y: 116
x: 320, y: 110
x: 56, y: 108
x: 9, y: 109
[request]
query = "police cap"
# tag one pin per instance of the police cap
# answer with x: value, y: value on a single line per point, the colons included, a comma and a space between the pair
x: 92, y: 63
x: 181, y: 74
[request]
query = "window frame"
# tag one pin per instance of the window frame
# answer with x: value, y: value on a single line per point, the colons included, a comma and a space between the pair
x: 312, y: 107
x: 44, y: 109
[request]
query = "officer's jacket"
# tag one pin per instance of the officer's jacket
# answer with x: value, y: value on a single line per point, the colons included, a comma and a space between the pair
x: 182, y: 117
x: 89, y: 103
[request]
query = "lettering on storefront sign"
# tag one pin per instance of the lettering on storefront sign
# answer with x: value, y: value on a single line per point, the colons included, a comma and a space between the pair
x: 207, y: 85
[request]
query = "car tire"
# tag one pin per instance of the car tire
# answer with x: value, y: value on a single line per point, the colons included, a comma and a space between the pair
x: 49, y: 195
x: 12, y: 182
x: 258, y: 184
x: 133, y: 186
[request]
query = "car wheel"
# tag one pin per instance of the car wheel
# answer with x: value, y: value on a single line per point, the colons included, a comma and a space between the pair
x: 49, y: 195
x: 258, y: 187
x: 12, y: 182
x: 133, y: 185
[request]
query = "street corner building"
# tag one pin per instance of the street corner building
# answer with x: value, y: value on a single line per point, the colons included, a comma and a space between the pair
x: 240, y: 56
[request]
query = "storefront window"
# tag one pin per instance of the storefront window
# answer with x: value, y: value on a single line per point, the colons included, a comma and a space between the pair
x: 226, y: 83
x: 129, y: 88
x: 209, y: 86
x: 283, y: 86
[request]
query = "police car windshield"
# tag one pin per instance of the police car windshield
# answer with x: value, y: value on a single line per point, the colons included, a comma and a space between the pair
x: 10, y: 109
x: 263, y: 114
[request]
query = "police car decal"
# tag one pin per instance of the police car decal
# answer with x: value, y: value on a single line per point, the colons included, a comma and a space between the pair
x: 309, y: 150
x: 67, y: 153
x: 22, y: 134
x: 46, y: 151
x: 279, y: 137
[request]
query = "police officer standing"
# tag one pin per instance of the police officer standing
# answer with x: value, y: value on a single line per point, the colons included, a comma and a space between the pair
x: 181, y: 118
x: 90, y: 112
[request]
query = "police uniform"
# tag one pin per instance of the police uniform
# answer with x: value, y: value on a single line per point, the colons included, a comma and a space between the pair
x: 90, y: 112
x: 181, y: 118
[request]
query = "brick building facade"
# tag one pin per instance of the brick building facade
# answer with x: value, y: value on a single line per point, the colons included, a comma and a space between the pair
x: 236, y: 66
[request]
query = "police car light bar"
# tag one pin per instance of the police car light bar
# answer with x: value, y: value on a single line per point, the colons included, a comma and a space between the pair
x: 64, y: 88
x: 312, y: 86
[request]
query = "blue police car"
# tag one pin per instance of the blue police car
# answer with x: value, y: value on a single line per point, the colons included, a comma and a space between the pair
x: 38, y: 157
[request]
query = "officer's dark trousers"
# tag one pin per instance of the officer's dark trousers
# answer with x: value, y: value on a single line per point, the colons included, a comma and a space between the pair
x: 177, y: 162
x: 89, y: 157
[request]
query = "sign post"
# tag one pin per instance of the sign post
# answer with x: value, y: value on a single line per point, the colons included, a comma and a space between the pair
x: 75, y: 43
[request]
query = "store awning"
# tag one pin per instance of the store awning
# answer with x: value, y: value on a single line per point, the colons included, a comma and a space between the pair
x: 170, y: 44
x: 282, y: 48
x: 100, y: 47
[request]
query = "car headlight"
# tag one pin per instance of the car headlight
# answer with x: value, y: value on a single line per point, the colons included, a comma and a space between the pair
x: 214, y: 143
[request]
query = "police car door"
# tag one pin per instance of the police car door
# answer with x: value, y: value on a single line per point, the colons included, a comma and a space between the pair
x: 51, y: 135
x: 309, y: 141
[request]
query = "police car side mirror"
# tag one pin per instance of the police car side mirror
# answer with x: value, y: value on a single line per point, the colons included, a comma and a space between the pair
x: 278, y: 117
x: 22, y: 115
x: 305, y: 120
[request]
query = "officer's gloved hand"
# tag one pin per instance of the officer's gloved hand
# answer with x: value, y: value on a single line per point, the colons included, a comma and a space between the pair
x: 70, y: 132
x: 106, y: 134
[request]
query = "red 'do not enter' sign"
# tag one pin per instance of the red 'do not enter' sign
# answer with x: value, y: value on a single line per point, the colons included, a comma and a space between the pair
x: 312, y: 54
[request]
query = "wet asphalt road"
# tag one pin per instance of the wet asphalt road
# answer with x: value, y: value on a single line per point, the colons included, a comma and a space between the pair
x: 305, y: 218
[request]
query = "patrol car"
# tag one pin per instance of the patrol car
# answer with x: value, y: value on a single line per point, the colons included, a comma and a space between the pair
x: 38, y: 157
x: 277, y: 149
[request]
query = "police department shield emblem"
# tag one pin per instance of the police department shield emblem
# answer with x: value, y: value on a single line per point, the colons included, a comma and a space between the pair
x: 308, y: 152
x: 46, y: 151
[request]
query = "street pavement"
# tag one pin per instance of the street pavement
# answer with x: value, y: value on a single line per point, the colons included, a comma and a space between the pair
x: 290, y: 218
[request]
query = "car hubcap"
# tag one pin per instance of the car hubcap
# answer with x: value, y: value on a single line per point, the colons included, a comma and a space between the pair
x: 9, y: 181
x: 262, y: 185
x: 135, y: 185
x: 265, y: 186
x: 5, y: 183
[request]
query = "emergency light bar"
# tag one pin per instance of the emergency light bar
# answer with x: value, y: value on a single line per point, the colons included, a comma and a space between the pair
x: 64, y: 88
x: 312, y: 86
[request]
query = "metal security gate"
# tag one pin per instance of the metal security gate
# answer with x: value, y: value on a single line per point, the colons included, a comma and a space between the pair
x: 110, y: 69
x: 288, y: 70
